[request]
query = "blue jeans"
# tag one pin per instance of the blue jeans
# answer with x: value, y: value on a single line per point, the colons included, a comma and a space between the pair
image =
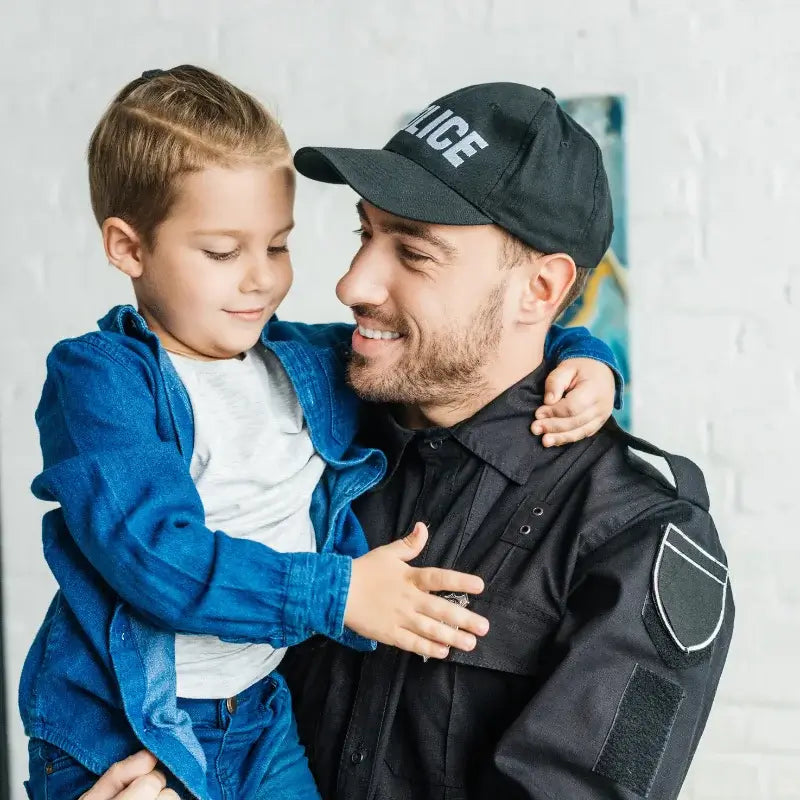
x: 250, y: 742
x: 53, y: 773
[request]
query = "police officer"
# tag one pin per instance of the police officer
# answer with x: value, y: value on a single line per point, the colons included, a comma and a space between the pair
x: 606, y: 585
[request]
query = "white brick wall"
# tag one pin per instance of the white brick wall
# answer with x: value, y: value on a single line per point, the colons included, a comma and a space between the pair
x: 714, y: 167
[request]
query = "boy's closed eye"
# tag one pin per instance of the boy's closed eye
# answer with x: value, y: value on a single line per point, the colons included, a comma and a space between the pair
x: 229, y: 255
x: 222, y: 256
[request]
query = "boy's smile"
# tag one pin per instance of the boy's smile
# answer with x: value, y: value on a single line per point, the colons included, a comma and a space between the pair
x: 249, y: 315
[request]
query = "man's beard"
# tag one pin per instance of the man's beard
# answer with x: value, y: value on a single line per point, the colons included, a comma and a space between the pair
x: 446, y: 370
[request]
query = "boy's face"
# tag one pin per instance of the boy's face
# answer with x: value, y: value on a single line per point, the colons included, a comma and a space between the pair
x: 220, y: 265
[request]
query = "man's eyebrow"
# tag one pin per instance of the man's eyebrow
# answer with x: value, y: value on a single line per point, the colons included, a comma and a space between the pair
x: 410, y: 227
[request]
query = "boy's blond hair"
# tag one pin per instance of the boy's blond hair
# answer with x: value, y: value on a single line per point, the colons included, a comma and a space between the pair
x: 164, y: 125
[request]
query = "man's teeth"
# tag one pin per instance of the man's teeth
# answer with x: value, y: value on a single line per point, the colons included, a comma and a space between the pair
x: 369, y: 333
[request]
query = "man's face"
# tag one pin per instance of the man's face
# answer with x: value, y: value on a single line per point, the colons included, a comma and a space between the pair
x: 430, y: 302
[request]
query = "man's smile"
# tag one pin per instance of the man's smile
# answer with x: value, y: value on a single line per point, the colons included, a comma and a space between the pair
x: 371, y: 338
x: 375, y: 333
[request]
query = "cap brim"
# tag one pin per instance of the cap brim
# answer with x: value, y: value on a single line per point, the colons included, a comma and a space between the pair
x: 390, y: 182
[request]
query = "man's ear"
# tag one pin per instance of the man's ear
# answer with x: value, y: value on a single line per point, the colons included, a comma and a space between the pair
x: 123, y: 247
x: 550, y: 278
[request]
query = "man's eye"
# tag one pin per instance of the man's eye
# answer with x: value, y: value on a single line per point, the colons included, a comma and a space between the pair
x: 213, y: 254
x: 412, y: 255
x: 362, y: 233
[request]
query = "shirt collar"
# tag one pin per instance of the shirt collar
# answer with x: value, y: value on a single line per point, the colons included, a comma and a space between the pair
x: 380, y: 429
x: 125, y: 319
x: 498, y: 434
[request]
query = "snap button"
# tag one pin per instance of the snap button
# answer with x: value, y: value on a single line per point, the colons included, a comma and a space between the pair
x: 525, y: 530
x: 435, y: 444
x: 48, y: 768
x: 231, y: 704
x: 538, y: 511
x: 357, y: 757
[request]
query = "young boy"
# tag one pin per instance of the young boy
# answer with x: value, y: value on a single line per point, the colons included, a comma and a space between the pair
x: 201, y: 455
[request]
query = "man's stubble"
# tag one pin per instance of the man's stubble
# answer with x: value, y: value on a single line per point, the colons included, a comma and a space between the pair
x: 447, y: 370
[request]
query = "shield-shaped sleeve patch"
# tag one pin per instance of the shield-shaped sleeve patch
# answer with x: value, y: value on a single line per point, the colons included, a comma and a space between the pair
x: 689, y: 589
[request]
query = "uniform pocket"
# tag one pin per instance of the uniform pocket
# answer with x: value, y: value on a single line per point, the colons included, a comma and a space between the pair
x: 469, y: 700
x: 517, y: 633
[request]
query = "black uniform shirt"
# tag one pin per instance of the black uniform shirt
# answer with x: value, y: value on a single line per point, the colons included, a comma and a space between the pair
x: 578, y: 691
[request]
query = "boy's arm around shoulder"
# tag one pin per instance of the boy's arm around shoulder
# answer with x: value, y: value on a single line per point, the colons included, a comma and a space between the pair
x: 131, y: 506
x: 563, y: 344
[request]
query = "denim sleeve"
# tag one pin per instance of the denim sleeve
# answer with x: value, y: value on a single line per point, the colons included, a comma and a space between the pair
x: 564, y: 343
x: 131, y: 506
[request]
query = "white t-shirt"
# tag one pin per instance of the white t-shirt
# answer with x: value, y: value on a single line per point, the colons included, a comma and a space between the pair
x: 255, y: 469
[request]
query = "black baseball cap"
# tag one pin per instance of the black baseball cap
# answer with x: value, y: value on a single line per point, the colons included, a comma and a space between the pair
x: 502, y: 153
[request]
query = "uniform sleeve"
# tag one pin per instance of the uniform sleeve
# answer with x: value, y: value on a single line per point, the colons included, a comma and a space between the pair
x: 564, y: 343
x: 130, y: 505
x: 627, y: 685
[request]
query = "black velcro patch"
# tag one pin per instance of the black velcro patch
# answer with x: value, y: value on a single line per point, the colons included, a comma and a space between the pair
x: 639, y: 734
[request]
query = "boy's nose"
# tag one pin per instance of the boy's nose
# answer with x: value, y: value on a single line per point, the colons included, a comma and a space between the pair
x: 259, y: 276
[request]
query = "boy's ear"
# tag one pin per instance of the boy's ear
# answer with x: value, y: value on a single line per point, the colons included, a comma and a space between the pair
x: 547, y: 285
x: 123, y: 247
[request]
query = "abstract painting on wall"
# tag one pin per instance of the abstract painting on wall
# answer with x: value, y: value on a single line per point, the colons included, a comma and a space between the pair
x: 603, y: 307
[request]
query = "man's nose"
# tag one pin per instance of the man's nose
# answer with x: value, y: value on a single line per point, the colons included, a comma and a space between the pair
x: 365, y: 283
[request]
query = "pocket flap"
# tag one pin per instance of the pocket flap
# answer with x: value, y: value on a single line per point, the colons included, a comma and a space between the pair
x: 516, y: 635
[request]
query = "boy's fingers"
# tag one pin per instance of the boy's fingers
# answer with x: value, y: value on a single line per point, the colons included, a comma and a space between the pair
x: 574, y: 435
x: 440, y: 610
x: 414, y: 643
x: 410, y: 546
x: 148, y: 787
x: 564, y: 424
x: 576, y: 402
x: 442, y: 633
x: 433, y: 579
x: 558, y: 382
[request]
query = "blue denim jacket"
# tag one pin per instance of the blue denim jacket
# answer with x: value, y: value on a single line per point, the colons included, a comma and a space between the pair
x: 132, y: 556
